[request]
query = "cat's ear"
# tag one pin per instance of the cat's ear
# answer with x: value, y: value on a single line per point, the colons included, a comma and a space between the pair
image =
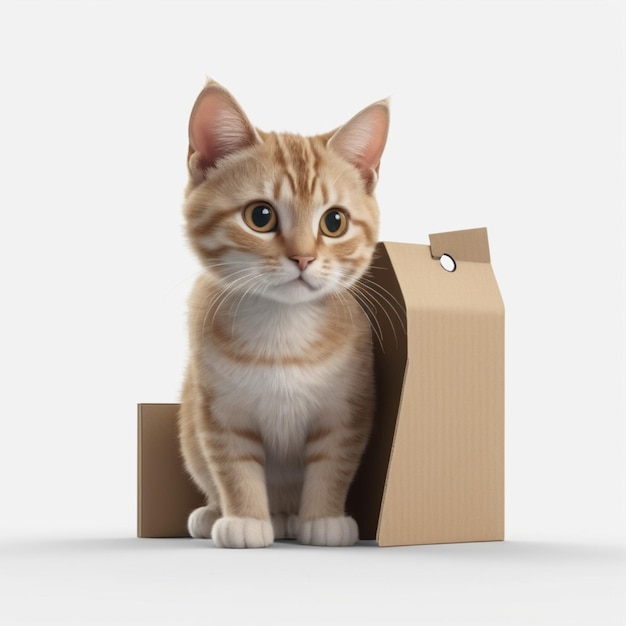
x: 217, y: 127
x: 362, y: 140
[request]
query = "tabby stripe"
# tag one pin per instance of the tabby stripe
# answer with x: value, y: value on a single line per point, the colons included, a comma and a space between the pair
x: 345, y: 248
x: 214, y: 253
x: 318, y: 158
x: 247, y: 458
x: 316, y: 458
x: 324, y: 348
x: 207, y: 416
x: 351, y: 441
x: 278, y: 183
x: 292, y: 182
x: 269, y: 361
x: 280, y: 156
x: 316, y: 435
x: 325, y: 194
x: 369, y: 233
x: 307, y: 173
x: 218, y: 447
x: 212, y: 222
x: 317, y: 161
x: 246, y: 433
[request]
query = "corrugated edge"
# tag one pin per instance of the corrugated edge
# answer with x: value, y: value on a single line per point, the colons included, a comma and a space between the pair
x: 139, y: 470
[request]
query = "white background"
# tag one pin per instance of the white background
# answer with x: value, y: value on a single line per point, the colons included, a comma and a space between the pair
x: 507, y: 115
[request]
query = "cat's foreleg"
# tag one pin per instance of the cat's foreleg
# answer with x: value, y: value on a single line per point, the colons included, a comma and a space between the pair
x: 332, y: 459
x: 238, y: 467
x: 201, y: 520
x: 227, y: 464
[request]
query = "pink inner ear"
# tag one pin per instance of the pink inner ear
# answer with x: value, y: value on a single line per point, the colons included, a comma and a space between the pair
x: 362, y: 140
x: 202, y: 131
x: 378, y: 119
x: 218, y: 126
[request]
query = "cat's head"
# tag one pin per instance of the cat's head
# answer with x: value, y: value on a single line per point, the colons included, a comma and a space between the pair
x: 286, y: 217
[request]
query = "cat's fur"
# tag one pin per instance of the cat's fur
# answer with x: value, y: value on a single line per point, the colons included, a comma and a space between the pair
x: 278, y: 399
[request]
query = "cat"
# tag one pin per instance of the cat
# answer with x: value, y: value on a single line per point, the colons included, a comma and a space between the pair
x: 278, y: 399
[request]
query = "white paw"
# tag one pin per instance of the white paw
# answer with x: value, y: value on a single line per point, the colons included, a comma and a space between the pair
x: 329, y: 531
x: 200, y: 522
x: 242, y: 532
x: 285, y: 526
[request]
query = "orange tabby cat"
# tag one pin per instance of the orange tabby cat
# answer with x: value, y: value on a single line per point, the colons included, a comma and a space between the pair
x: 279, y: 393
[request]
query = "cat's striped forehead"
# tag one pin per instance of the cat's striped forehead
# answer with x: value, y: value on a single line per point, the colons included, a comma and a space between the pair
x: 304, y: 174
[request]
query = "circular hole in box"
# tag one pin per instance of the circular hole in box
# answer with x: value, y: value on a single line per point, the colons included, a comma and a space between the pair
x: 447, y: 262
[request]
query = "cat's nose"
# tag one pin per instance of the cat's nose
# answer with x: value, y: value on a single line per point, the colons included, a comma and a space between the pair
x: 302, y: 261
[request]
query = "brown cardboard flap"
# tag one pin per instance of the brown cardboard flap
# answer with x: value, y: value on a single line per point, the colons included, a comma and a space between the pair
x: 445, y: 479
x: 462, y: 245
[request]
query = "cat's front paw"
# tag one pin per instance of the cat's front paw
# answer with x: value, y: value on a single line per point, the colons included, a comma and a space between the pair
x: 329, y: 531
x: 200, y: 522
x: 285, y: 525
x: 242, y: 532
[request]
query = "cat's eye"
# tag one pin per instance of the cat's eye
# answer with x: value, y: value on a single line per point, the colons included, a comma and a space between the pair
x: 334, y: 223
x: 260, y: 217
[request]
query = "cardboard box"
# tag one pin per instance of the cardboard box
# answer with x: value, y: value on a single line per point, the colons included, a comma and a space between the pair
x: 433, y: 471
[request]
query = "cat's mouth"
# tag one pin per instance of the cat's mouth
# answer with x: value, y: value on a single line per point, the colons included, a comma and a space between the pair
x: 301, y: 288
x: 301, y: 280
x: 301, y: 284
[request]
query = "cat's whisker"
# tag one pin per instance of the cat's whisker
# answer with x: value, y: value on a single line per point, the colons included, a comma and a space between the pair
x: 373, y: 300
x: 224, y: 282
x: 394, y: 305
x: 230, y: 282
x: 211, y: 264
x: 340, y: 296
x: 373, y: 322
x: 223, y: 295
x: 223, y: 287
x: 232, y: 289
x: 370, y: 281
x: 266, y: 286
x: 188, y: 278
x: 375, y: 289
x: 369, y: 313
x: 253, y: 286
x: 227, y: 278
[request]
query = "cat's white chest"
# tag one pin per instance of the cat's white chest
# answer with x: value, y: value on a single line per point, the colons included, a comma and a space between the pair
x: 280, y: 400
x: 274, y: 375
